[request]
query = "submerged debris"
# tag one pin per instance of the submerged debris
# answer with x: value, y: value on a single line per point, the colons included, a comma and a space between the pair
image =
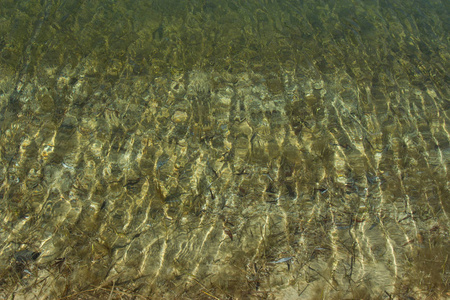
x: 24, y: 256
x: 281, y: 260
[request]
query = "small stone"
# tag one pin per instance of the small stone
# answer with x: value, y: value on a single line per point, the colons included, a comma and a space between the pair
x: 318, y: 85
x: 179, y: 116
x: 225, y: 101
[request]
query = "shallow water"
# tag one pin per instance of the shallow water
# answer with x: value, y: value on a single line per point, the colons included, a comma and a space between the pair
x: 224, y: 149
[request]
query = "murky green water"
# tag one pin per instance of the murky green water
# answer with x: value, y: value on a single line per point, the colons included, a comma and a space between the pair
x: 224, y: 149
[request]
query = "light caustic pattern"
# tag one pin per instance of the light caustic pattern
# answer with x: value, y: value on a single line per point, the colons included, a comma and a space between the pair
x: 282, y: 162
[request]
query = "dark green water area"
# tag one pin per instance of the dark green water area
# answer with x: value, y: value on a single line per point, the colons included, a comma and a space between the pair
x: 224, y: 149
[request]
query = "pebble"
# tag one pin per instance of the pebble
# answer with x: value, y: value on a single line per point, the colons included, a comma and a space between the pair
x: 179, y: 116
